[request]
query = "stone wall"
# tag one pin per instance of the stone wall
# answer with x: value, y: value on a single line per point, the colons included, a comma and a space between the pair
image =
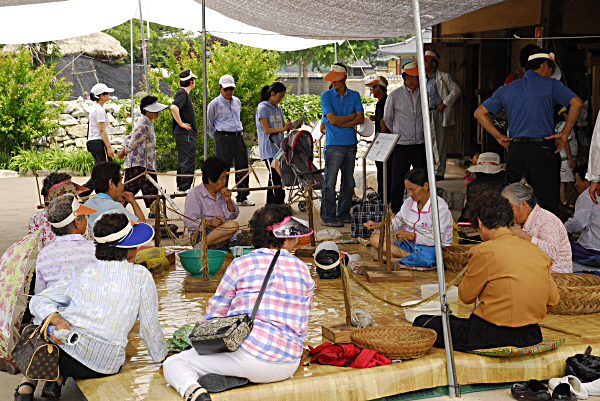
x: 73, y: 123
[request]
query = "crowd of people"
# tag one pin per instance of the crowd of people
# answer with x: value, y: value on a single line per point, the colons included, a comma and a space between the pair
x: 86, y: 282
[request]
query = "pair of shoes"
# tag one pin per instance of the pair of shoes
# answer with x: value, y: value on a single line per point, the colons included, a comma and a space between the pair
x: 334, y: 224
x: 246, y: 202
x: 214, y: 383
x: 439, y: 178
x: 345, y: 220
x: 533, y: 390
x: 52, y: 390
x: 564, y: 392
x: 575, y: 386
x: 180, y: 192
x: 24, y: 397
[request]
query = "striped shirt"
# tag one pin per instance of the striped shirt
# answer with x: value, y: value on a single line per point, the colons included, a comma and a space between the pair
x: 101, y: 301
x: 104, y: 203
x: 281, y: 324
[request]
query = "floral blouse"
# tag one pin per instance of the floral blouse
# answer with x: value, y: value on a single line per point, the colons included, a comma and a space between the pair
x: 141, y: 144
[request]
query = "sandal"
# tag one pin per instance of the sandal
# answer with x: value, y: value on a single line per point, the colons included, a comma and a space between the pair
x: 532, y: 390
x: 24, y: 397
x: 202, y: 397
x: 52, y: 390
x: 214, y: 383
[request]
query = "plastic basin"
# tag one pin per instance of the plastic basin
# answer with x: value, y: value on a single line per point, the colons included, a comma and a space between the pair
x: 430, y: 308
x: 247, y: 249
x: 192, y: 261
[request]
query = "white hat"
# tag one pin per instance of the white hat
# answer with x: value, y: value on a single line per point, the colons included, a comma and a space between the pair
x: 487, y: 163
x: 429, y: 55
x: 337, y: 73
x: 227, y: 81
x: 186, y: 74
x: 378, y: 80
x: 155, y: 107
x: 556, y: 74
x: 99, y: 89
x: 411, y: 69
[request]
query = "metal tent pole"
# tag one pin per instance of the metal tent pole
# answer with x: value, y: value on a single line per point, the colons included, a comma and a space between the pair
x: 131, y: 65
x: 452, y: 383
x: 335, y: 52
x: 144, y: 48
x: 204, y: 83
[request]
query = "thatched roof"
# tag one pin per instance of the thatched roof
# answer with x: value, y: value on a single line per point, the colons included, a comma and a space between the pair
x: 98, y: 45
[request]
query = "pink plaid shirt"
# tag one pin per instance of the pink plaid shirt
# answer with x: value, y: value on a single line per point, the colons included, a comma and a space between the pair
x: 281, y: 323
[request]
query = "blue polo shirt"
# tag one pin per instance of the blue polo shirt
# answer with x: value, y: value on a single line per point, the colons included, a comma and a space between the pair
x: 529, y: 103
x: 331, y: 101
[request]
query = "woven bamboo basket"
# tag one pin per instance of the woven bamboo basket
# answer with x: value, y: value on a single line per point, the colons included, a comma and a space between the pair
x: 402, y: 342
x: 456, y: 257
x: 579, y: 294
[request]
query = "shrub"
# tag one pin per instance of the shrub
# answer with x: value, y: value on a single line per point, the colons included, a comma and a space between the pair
x: 295, y: 106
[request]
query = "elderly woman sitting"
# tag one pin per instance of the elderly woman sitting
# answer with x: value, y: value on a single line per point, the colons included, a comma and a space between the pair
x: 412, y: 228
x: 539, y: 226
x: 100, y: 302
x: 272, y: 350
x: 212, y: 199
x: 508, y: 279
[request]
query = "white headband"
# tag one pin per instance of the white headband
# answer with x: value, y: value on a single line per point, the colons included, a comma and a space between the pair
x: 185, y: 79
x: 70, y: 218
x: 541, y: 55
x: 115, y: 236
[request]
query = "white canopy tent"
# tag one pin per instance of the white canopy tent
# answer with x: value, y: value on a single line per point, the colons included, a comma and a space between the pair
x: 262, y: 22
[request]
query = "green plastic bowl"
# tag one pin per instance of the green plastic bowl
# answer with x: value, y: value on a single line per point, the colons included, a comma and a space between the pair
x: 247, y: 249
x: 192, y: 261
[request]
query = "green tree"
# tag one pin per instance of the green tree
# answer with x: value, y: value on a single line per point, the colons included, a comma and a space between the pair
x: 26, y: 93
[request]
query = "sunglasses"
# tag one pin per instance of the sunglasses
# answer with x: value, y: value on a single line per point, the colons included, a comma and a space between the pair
x: 228, y: 89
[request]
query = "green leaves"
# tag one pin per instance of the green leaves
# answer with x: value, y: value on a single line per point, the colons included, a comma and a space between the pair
x: 294, y: 106
x: 78, y: 160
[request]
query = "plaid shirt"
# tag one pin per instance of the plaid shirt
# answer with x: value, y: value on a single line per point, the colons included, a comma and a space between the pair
x: 281, y: 323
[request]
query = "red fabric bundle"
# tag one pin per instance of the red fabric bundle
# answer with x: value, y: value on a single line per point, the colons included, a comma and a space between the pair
x: 347, y: 355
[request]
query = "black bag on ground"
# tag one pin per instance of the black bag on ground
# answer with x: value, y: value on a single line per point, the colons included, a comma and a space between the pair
x: 370, y: 208
x: 586, y: 367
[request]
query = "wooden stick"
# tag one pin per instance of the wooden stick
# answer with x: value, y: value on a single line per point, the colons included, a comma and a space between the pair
x: 157, y: 233
x: 240, y: 181
x: 204, y: 252
x: 388, y: 244
x: 347, y: 305
x: 382, y: 234
x: 38, y: 187
x: 311, y: 217
x: 255, y: 175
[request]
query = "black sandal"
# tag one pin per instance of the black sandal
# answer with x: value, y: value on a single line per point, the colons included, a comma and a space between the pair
x: 52, y: 390
x: 532, y: 390
x: 24, y: 397
x: 202, y: 397
x: 214, y: 383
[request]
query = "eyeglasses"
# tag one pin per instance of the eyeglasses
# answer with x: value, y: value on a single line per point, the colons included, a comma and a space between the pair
x: 228, y: 89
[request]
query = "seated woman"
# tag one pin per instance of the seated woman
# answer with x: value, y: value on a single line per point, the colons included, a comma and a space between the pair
x: 539, y: 226
x: 508, y: 279
x: 586, y: 219
x: 100, y: 302
x: 272, y: 350
x: 53, y: 186
x: 212, y: 199
x: 412, y: 228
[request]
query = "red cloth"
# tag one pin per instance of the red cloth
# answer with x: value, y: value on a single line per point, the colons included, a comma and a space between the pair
x: 347, y: 355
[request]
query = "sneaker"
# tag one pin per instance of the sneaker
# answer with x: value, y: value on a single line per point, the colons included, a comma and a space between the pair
x: 593, y: 388
x: 346, y: 220
x: 246, y: 202
x: 180, y: 192
x: 563, y: 392
x: 533, y: 390
x: 574, y: 384
x: 334, y: 224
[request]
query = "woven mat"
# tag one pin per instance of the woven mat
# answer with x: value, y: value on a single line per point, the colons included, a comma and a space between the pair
x: 545, y: 345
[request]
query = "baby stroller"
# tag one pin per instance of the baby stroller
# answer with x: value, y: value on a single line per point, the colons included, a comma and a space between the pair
x: 297, y: 167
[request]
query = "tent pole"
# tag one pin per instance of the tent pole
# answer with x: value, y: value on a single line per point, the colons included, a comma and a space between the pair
x: 204, y: 83
x: 144, y: 48
x: 131, y: 65
x: 335, y: 52
x: 454, y: 390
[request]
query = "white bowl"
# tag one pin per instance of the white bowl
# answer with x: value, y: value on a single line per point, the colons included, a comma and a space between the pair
x: 430, y: 308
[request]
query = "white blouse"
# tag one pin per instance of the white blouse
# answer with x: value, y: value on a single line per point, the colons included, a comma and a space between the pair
x: 421, y: 222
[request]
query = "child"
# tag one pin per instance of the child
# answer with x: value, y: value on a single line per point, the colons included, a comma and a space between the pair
x: 567, y: 157
x: 472, y: 153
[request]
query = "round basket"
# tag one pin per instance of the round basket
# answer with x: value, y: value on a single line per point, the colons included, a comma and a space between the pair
x: 402, y: 342
x: 456, y: 257
x: 579, y: 294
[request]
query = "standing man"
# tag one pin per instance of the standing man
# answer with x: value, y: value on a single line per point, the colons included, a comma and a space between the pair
x: 379, y: 91
x: 529, y: 103
x: 185, y: 130
x: 225, y: 127
x: 403, y: 115
x: 342, y: 110
x: 443, y: 91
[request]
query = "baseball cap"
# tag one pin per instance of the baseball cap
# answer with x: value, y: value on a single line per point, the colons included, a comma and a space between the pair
x: 289, y: 228
x: 227, y: 81
x: 430, y: 55
x: 185, y: 75
x: 155, y: 107
x: 337, y: 73
x: 557, y: 74
x: 379, y: 80
x: 132, y: 235
x: 99, y: 89
x: 77, y: 209
x: 411, y: 69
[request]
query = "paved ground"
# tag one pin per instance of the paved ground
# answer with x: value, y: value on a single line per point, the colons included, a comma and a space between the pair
x: 20, y: 200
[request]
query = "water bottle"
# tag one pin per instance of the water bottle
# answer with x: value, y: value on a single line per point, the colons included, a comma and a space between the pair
x: 64, y: 335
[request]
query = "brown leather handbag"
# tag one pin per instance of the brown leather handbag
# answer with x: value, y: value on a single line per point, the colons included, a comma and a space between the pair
x: 35, y: 356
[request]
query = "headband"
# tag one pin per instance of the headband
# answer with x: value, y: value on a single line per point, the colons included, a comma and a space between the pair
x: 277, y: 225
x: 541, y: 55
x: 70, y: 218
x: 115, y: 236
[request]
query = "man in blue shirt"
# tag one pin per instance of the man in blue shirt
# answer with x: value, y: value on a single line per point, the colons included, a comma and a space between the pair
x: 342, y: 111
x: 529, y: 103
x: 225, y: 127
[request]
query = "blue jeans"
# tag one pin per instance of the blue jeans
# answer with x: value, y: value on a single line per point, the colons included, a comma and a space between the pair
x: 338, y: 157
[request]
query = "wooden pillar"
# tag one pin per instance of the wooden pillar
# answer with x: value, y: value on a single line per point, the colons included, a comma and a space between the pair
x: 388, y: 245
x: 311, y: 217
x: 157, y: 233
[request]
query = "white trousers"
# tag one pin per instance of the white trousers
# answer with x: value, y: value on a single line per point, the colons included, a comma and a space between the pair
x: 183, y: 370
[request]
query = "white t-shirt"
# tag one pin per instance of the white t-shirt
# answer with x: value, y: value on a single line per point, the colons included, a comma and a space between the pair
x: 97, y: 115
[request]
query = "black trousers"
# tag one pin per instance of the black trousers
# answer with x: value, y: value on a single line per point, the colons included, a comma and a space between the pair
x: 276, y: 196
x: 232, y: 148
x: 142, y: 183
x: 71, y: 367
x: 186, y: 159
x: 98, y: 150
x: 537, y: 162
x: 476, y: 333
x: 379, y: 166
x: 403, y: 157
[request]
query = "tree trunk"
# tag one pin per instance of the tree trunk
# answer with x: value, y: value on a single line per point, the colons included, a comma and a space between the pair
x: 305, y: 88
x: 300, y: 71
